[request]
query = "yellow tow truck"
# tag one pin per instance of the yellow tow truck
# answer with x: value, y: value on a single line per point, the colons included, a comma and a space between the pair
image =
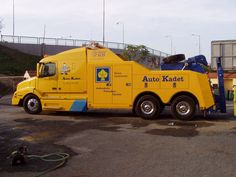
x: 96, y: 78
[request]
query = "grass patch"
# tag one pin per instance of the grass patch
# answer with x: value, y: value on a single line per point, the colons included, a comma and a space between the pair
x: 14, y: 62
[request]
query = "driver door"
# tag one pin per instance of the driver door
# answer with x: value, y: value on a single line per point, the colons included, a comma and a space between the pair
x: 48, y: 81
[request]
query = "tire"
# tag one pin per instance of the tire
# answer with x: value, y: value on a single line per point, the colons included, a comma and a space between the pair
x: 134, y: 112
x: 183, y: 108
x: 162, y: 108
x: 32, y: 104
x: 174, y: 58
x: 148, y: 107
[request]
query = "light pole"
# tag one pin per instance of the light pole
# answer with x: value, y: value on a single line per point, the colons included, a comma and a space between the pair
x: 123, y: 32
x: 199, y: 42
x: 1, y: 26
x: 171, y: 43
x: 13, y: 24
x: 103, y: 20
x: 44, y: 32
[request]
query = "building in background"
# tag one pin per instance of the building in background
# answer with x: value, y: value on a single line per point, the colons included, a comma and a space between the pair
x: 226, y: 49
x: 229, y: 82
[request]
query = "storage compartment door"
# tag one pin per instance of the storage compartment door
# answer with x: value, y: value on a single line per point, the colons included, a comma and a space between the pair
x: 102, y: 85
x: 122, y: 84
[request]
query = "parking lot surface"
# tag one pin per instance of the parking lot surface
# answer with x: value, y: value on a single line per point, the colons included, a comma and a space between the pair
x: 118, y: 144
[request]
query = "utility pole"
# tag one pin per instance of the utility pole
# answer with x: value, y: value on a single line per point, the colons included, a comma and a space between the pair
x: 1, y: 26
x: 103, y: 31
x: 123, y: 32
x: 13, y: 25
x: 44, y: 32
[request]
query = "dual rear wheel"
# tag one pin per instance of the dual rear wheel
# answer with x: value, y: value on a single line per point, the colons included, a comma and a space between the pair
x: 149, y: 107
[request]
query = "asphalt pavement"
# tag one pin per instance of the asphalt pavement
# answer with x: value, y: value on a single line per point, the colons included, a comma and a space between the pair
x: 118, y: 144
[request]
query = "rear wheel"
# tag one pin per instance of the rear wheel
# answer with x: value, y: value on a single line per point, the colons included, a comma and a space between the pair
x: 148, y: 107
x: 183, y: 108
x: 162, y: 108
x: 32, y: 104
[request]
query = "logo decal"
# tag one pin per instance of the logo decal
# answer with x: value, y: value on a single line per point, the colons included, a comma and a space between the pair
x: 65, y: 69
x: 103, y: 74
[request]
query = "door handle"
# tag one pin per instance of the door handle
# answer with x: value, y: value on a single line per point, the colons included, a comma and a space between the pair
x: 128, y: 84
x: 54, y: 88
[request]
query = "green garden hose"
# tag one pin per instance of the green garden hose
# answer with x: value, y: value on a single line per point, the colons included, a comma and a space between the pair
x: 53, y: 157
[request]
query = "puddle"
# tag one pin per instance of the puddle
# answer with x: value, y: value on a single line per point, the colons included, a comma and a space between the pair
x: 61, y: 127
x: 175, y: 132
x: 195, y: 124
x: 179, y: 128
x: 134, y: 122
x: 9, y: 143
x: 48, y: 130
x: 39, y: 136
x: 110, y: 129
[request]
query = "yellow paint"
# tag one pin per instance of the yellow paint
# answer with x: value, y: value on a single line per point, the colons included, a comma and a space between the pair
x: 104, y: 80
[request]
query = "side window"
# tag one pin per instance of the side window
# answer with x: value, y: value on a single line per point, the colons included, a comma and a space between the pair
x: 48, y: 69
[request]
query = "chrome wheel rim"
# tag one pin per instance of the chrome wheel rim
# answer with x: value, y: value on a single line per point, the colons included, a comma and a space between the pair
x: 183, y: 108
x: 147, y: 107
x: 33, y: 104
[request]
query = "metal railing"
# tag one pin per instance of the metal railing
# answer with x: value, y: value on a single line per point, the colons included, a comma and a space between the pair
x: 69, y: 42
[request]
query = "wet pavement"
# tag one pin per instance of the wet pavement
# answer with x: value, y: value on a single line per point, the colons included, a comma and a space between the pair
x: 117, y: 143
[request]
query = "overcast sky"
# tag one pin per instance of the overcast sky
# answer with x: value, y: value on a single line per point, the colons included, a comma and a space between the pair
x: 146, y: 21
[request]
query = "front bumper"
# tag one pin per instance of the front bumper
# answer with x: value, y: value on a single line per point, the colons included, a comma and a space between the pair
x: 15, y: 99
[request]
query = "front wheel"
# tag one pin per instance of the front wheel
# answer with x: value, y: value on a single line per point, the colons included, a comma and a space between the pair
x: 183, y: 108
x: 32, y: 104
x: 148, y: 107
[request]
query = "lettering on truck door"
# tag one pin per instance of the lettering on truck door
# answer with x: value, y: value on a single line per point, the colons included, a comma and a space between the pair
x: 122, y: 84
x: 103, y: 85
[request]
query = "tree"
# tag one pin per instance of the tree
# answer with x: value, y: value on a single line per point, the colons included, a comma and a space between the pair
x: 142, y: 55
x: 136, y: 53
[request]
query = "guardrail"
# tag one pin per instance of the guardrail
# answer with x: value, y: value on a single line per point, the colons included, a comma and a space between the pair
x: 69, y: 42
x: 11, y: 77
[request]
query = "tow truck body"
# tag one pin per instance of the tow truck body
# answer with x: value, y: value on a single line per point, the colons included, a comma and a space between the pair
x: 96, y: 78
